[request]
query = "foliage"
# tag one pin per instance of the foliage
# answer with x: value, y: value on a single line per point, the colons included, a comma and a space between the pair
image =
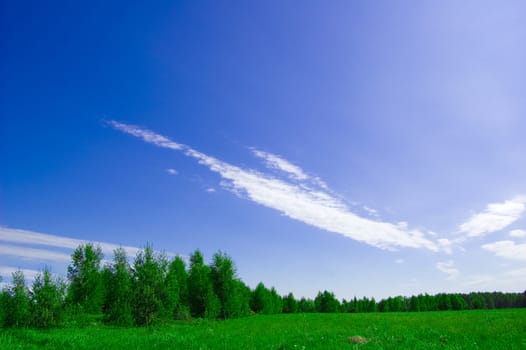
x: 290, y: 305
x: 260, y: 301
x: 47, y: 300
x: 4, y: 297
x: 157, y: 289
x: 118, y: 296
x: 202, y: 299
x: 177, y: 283
x: 229, y: 290
x: 17, y: 303
x: 85, y: 279
x: 326, y: 302
x: 148, y: 286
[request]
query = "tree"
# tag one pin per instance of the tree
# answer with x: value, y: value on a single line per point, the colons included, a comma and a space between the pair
x: 306, y: 305
x: 477, y: 301
x: 175, y: 288
x: 3, y: 304
x: 326, y: 302
x: 226, y: 287
x: 290, y: 305
x: 118, y: 299
x: 457, y: 302
x: 276, y: 302
x: 18, y: 304
x: 261, y: 300
x: 202, y: 299
x: 243, y: 294
x: 47, y: 300
x: 444, y: 301
x: 85, y: 279
x: 148, y: 286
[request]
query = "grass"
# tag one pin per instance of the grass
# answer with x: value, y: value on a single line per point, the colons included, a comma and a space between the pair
x: 481, y: 329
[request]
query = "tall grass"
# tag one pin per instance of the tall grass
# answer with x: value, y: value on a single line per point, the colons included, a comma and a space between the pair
x: 477, y: 329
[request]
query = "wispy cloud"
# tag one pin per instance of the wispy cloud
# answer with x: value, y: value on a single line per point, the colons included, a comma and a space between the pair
x: 36, y: 238
x: 146, y: 135
x: 172, y: 171
x: 448, y: 267
x: 276, y: 162
x: 446, y: 245
x: 314, y: 207
x: 495, y: 217
x: 33, y: 253
x: 507, y: 249
x: 370, y: 211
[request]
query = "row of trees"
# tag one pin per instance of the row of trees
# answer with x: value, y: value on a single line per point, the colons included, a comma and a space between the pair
x: 155, y: 288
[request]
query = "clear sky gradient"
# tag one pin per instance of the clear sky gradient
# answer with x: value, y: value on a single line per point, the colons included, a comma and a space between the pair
x: 369, y: 148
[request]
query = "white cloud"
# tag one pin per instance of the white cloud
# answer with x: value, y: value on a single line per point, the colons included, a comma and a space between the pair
x: 518, y: 233
x: 446, y: 245
x: 495, y: 217
x: 448, y: 267
x: 7, y: 271
x: 172, y: 171
x: 146, y: 135
x: 35, y: 238
x: 399, y: 261
x: 313, y: 207
x: 33, y: 253
x: 507, y: 249
x: 370, y: 211
x: 210, y: 190
x: 276, y: 162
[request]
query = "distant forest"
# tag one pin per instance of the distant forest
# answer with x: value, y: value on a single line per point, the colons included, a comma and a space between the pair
x: 156, y: 289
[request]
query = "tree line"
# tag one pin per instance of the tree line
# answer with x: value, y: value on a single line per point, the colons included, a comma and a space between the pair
x: 154, y: 288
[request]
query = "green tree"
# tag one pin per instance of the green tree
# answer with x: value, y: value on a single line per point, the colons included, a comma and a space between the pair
x: 290, y: 304
x: 3, y: 304
x: 276, y: 302
x: 203, y: 301
x: 243, y: 294
x: 118, y: 300
x: 306, y: 305
x: 172, y: 296
x: 477, y: 301
x: 326, y: 302
x: 148, y: 286
x: 261, y: 300
x: 179, y: 284
x: 457, y: 302
x: 414, y: 304
x: 85, y: 279
x: 47, y: 300
x: 18, y: 303
x: 227, y: 288
x: 444, y: 301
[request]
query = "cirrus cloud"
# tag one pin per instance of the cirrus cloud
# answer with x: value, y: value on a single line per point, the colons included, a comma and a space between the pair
x: 303, y: 202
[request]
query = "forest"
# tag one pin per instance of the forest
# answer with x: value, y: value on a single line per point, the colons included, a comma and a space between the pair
x: 156, y: 289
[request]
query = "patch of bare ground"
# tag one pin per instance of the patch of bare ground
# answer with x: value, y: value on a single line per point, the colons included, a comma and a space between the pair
x: 356, y: 339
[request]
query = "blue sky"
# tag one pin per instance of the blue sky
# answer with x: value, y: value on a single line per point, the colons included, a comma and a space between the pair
x: 368, y: 148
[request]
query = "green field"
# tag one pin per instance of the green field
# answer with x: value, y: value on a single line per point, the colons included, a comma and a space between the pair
x: 481, y: 329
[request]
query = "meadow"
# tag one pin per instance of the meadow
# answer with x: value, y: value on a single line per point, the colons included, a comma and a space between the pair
x: 470, y: 329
